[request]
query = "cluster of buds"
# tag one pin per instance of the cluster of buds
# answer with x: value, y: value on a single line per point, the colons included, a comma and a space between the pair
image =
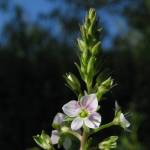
x: 108, y: 143
x: 43, y: 141
x: 80, y: 119
x: 89, y: 46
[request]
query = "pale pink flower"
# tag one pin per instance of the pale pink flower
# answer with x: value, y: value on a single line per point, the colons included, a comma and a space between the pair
x: 83, y: 112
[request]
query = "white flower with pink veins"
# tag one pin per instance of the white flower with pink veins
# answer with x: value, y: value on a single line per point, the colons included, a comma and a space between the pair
x: 83, y: 112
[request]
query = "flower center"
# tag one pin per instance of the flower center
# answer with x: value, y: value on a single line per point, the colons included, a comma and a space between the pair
x: 83, y: 113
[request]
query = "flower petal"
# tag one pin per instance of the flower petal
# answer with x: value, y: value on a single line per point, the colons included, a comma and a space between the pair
x: 124, y: 122
x: 89, y: 102
x: 93, y: 121
x: 72, y: 108
x: 77, y: 123
x: 59, y: 118
x: 55, y: 136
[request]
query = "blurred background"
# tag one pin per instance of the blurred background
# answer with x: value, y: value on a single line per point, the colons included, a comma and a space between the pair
x: 38, y: 46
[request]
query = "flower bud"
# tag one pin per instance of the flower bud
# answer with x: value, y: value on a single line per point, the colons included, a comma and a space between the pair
x: 82, y: 45
x: 64, y: 129
x: 58, y: 120
x: 55, y: 136
x: 43, y: 141
x: 95, y: 48
x: 92, y: 13
x: 108, y: 83
x: 104, y: 87
x: 90, y: 66
x: 72, y: 82
x: 109, y: 143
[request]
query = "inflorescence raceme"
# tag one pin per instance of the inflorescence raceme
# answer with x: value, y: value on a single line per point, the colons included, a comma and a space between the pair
x: 73, y: 129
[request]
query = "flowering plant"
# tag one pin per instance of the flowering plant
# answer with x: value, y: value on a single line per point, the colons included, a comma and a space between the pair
x: 74, y: 128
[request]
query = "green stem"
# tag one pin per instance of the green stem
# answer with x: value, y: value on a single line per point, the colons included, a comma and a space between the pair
x: 83, y: 140
x: 104, y: 126
x: 67, y: 130
x: 75, y: 134
x: 88, y: 88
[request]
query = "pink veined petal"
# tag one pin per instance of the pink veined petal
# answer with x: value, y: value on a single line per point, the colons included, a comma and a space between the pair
x: 55, y: 137
x: 89, y: 102
x: 59, y: 118
x: 72, y: 108
x: 93, y: 121
x: 77, y: 123
x: 124, y: 122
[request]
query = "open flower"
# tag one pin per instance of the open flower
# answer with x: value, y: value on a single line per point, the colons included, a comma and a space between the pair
x: 120, y: 117
x: 83, y: 112
x: 57, y: 123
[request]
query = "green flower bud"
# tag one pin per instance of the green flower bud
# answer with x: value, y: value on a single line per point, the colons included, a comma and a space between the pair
x: 96, y: 48
x: 83, y: 34
x: 43, y: 141
x: 92, y: 13
x: 92, y: 28
x: 65, y: 129
x: 84, y: 57
x: 82, y: 45
x: 104, y: 87
x: 109, y: 143
x: 108, y: 83
x: 90, y: 66
x: 72, y: 81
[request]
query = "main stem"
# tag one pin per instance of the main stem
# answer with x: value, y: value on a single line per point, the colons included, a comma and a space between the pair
x: 83, y: 140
